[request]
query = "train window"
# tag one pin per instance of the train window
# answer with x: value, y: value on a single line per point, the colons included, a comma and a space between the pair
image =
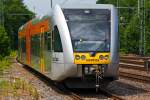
x: 23, y: 45
x: 57, y: 40
x: 47, y: 41
x: 53, y: 40
x: 23, y: 49
x: 35, y: 45
x: 90, y: 31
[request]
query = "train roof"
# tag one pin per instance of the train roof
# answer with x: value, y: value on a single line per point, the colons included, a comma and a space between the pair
x: 22, y: 27
x: 68, y: 6
x: 34, y: 21
x: 87, y: 6
x: 39, y: 19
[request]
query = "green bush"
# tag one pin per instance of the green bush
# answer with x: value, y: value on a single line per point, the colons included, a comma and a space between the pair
x: 4, y: 65
x: 13, y: 54
x: 4, y: 43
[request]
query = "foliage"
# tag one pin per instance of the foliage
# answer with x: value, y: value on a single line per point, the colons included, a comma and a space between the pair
x: 4, y: 65
x: 4, y: 43
x: 16, y: 88
x: 147, y: 28
x: 125, y: 3
x: 129, y: 26
x: 16, y: 14
x: 13, y: 54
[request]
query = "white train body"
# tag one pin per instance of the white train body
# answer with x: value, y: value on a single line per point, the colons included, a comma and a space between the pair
x: 89, y: 41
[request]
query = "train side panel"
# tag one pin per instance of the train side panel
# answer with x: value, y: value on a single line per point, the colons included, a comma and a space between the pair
x: 112, y: 69
x: 35, y: 46
x: 70, y: 69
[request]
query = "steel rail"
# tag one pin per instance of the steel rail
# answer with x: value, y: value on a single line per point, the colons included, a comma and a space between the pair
x: 139, y: 62
x: 111, y: 95
x: 75, y: 96
x: 134, y: 57
x: 135, y: 77
x: 132, y: 67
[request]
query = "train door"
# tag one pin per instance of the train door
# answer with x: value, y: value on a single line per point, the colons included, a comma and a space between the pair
x: 58, y: 47
x: 45, y: 51
x: 42, y: 60
x: 22, y: 49
x: 48, y: 52
x: 35, y: 51
x: 57, y: 58
x: 28, y: 45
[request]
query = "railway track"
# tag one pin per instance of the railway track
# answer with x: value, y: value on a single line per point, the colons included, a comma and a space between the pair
x: 102, y: 92
x: 134, y: 57
x: 132, y: 66
x: 135, y: 77
x: 67, y: 91
x: 55, y: 86
x: 135, y: 62
x: 113, y: 96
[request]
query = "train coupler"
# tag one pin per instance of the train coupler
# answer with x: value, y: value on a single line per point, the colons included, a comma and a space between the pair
x: 99, y: 71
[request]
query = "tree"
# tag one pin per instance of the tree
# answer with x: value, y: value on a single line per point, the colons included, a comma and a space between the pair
x: 4, y: 42
x: 16, y: 14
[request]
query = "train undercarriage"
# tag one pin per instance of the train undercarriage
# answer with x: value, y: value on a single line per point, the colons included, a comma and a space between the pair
x: 92, y: 77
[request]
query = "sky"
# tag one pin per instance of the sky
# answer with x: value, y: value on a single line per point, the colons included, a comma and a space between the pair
x: 42, y: 7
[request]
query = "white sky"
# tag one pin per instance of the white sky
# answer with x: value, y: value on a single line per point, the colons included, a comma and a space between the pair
x: 41, y: 7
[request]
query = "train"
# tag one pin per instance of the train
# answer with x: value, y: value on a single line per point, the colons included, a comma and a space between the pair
x: 74, y: 44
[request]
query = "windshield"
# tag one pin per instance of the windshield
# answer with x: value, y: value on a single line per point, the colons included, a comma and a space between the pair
x: 89, y: 29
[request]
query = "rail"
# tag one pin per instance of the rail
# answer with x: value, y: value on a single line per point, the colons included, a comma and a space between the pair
x: 135, y: 77
x: 129, y: 66
x: 146, y: 60
x: 111, y: 95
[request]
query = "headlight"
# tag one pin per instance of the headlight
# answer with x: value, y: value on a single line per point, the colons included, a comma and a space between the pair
x: 77, y: 57
x: 106, y: 57
x: 83, y: 57
x: 101, y: 57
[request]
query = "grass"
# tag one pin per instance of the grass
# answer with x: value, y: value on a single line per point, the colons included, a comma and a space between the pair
x: 4, y: 65
x: 5, y: 61
x: 17, y: 88
x: 14, y: 87
x: 13, y: 54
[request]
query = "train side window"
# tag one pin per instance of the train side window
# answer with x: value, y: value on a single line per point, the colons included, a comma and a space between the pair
x: 48, y: 39
x: 57, y: 41
x: 53, y: 40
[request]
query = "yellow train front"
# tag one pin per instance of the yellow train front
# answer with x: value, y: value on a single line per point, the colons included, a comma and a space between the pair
x: 92, y: 58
